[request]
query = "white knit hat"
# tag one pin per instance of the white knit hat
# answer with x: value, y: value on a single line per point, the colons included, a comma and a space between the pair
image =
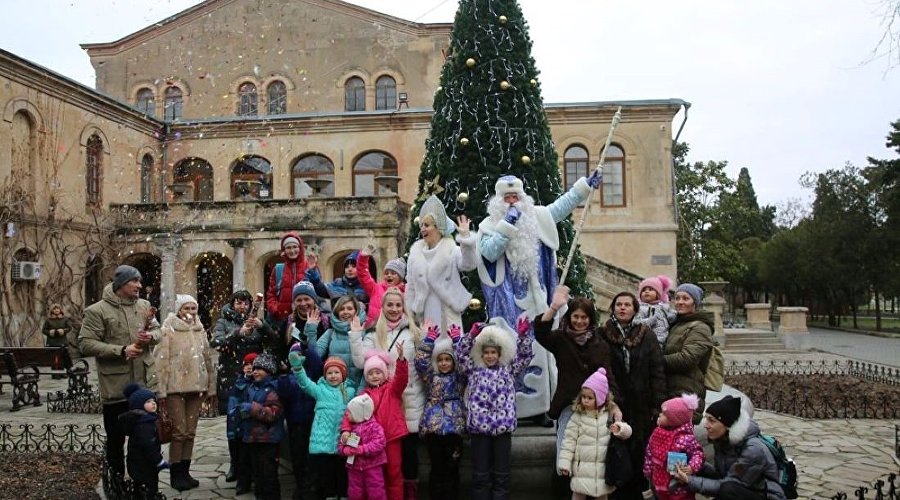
x: 360, y: 408
x: 182, y: 299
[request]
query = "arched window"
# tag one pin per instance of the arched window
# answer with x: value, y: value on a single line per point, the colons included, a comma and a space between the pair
x: 93, y: 159
x: 146, y: 102
x: 355, y: 94
x: 173, y: 104
x: 24, y: 149
x: 93, y: 279
x: 251, y: 178
x: 276, y: 98
x: 367, y: 168
x: 575, y: 164
x: 308, y: 168
x: 613, y: 193
x: 248, y: 103
x: 196, y: 173
x: 385, y: 93
x: 146, y: 178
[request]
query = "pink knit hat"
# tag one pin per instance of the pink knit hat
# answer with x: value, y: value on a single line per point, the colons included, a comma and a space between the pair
x: 680, y: 410
x: 597, y: 382
x: 660, y: 284
x: 377, y: 360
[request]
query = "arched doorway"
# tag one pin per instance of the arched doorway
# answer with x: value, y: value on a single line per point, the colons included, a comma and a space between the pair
x: 150, y: 267
x: 214, y: 281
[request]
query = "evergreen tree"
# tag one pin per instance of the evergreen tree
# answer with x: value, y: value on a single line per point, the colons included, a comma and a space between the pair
x: 489, y: 121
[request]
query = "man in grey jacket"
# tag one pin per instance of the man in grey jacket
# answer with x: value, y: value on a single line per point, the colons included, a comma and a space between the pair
x: 119, y: 330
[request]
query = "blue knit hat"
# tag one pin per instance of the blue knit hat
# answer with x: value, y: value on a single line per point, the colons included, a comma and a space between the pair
x: 693, y: 290
x: 137, y: 396
x: 303, y: 288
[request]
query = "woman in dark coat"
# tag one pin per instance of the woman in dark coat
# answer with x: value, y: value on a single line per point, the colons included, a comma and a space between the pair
x: 638, y: 366
x: 578, y: 353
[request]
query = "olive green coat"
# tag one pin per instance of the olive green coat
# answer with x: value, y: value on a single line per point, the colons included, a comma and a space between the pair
x: 687, y: 347
x: 109, y: 325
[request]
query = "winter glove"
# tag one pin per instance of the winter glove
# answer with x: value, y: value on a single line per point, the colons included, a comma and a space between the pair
x: 296, y: 360
x: 523, y: 325
x: 297, y: 347
x: 476, y: 329
x: 433, y: 333
x: 455, y: 332
x: 512, y: 215
x: 162, y: 465
x: 245, y: 409
x: 595, y: 179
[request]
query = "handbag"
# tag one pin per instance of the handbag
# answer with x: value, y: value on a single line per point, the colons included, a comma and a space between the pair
x: 164, y: 428
x: 618, y: 461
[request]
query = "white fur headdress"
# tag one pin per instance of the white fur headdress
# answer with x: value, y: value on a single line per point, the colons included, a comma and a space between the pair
x: 495, y: 334
x: 443, y: 345
x: 509, y: 184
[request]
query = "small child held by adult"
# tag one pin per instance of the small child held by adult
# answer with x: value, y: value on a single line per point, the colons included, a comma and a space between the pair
x: 262, y: 426
x: 673, y: 444
x: 587, y: 439
x: 331, y: 392
x: 655, y: 311
x: 145, y: 458
x: 364, y: 450
x: 444, y: 417
x: 385, y: 383
x: 492, y: 358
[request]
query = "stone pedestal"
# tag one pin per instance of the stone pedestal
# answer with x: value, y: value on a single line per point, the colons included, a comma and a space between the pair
x: 792, y: 327
x: 714, y: 302
x: 758, y: 316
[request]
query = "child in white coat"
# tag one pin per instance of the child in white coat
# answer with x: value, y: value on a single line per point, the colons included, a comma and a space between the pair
x: 588, y: 434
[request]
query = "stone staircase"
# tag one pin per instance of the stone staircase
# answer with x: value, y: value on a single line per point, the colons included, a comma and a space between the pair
x: 744, y: 340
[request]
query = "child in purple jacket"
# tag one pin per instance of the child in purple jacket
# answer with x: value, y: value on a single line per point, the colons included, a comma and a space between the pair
x: 364, y: 451
x: 492, y: 358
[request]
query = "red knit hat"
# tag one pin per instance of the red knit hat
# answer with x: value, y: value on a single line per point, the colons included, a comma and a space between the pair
x: 337, y: 363
x: 250, y: 357
x: 680, y: 410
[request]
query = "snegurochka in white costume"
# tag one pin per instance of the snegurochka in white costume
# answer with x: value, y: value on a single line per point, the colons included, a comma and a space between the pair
x: 517, y: 243
x: 434, y: 291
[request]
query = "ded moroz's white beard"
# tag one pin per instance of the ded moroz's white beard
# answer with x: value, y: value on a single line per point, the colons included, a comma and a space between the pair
x: 522, y: 250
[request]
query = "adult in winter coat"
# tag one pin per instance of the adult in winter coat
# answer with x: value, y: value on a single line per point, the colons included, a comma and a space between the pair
x: 392, y: 329
x: 638, y: 366
x: 185, y: 376
x: 119, y: 331
x: 434, y: 290
x: 234, y: 336
x: 284, y: 276
x: 57, y: 326
x: 688, y: 346
x: 743, y: 469
x: 394, y: 273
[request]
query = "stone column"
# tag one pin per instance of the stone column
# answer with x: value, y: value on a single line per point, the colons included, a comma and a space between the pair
x: 792, y: 327
x: 758, y: 316
x: 714, y: 302
x: 239, y: 263
x: 168, y: 246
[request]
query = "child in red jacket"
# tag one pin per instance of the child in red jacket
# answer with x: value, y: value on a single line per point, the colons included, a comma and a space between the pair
x: 385, y: 385
x: 364, y: 451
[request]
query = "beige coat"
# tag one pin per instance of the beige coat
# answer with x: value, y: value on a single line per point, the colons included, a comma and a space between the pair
x: 109, y: 325
x: 583, y: 452
x: 183, y: 359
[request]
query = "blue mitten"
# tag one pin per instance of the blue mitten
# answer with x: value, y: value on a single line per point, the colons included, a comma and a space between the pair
x: 595, y: 179
x: 512, y: 215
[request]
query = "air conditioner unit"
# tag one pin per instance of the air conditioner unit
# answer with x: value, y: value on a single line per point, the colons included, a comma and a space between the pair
x: 26, y: 271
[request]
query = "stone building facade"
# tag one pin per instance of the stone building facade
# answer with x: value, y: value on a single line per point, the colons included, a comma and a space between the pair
x: 235, y: 120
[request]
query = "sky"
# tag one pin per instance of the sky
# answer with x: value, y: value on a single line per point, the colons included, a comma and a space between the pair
x: 780, y: 87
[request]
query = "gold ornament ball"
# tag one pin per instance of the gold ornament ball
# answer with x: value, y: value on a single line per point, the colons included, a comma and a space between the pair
x: 533, y: 82
x: 462, y: 197
x: 475, y: 304
x: 464, y: 141
x: 504, y: 85
x: 502, y: 19
x: 442, y: 88
x: 526, y: 159
x: 470, y: 62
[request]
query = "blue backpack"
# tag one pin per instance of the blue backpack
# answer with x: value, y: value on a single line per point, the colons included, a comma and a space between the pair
x: 787, y: 469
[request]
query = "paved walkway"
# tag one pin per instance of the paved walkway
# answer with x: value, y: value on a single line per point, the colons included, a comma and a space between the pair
x: 832, y: 455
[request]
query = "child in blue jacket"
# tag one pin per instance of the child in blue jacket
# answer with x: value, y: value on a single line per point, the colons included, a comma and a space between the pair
x: 262, y: 426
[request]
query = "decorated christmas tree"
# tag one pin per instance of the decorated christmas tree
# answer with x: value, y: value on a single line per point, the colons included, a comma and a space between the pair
x: 489, y: 121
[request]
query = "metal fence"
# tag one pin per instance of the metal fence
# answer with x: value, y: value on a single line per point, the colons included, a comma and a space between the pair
x: 880, y: 489
x: 866, y: 371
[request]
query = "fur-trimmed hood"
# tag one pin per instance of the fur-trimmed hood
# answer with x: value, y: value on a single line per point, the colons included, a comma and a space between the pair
x: 741, y: 428
x: 443, y: 345
x: 496, y: 333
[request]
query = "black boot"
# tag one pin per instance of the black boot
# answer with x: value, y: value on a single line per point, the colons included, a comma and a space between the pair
x: 231, y: 475
x: 177, y: 478
x: 186, y: 472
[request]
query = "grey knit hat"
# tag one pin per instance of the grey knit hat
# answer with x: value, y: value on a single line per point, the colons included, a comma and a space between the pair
x: 398, y: 266
x: 693, y: 290
x: 266, y: 362
x: 124, y: 274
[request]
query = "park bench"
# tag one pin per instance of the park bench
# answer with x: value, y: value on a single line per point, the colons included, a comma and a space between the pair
x: 22, y: 366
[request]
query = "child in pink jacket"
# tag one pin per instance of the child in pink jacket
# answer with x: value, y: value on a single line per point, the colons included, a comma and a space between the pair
x: 394, y: 273
x: 364, y: 451
x: 386, y: 392
x: 674, y: 433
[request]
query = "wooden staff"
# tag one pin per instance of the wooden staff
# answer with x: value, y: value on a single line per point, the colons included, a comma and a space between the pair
x: 615, y: 123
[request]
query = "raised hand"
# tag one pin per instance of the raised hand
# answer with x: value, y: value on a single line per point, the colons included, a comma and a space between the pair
x: 433, y: 331
x: 462, y: 224
x: 560, y: 297
x: 399, y: 348
x: 355, y: 324
x: 314, y: 316
x: 596, y: 178
x: 369, y: 249
x: 476, y: 329
x: 523, y: 325
x: 312, y: 260
x: 296, y: 360
x: 455, y: 331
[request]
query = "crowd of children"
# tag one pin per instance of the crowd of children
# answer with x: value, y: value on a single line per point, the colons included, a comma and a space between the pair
x: 355, y: 420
